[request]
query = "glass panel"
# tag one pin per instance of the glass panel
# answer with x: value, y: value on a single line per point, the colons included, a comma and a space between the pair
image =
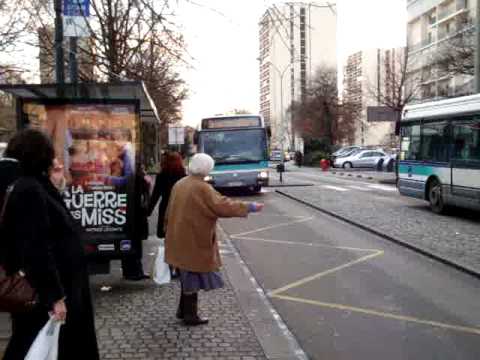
x: 466, y: 140
x: 411, y: 143
x: 233, y: 147
x: 435, y: 142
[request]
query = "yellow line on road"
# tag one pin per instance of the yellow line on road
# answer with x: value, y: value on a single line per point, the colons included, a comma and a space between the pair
x: 324, y: 273
x: 286, y: 242
x: 274, y: 226
x: 465, y: 329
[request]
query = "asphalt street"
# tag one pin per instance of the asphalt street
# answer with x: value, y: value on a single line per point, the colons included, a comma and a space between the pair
x: 347, y: 294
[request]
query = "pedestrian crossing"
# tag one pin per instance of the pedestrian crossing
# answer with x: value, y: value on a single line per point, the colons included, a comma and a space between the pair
x: 364, y: 188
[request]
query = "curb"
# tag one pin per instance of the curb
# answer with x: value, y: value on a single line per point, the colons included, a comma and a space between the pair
x: 288, y: 185
x: 363, y: 176
x: 427, y: 253
x: 272, y: 333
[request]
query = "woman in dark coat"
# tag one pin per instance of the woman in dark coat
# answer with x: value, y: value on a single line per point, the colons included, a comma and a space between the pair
x: 172, y: 171
x: 43, y: 240
x: 132, y: 265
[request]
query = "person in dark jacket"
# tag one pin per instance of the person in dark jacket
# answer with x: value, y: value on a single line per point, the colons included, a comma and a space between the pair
x: 49, y: 250
x: 132, y: 265
x: 172, y: 171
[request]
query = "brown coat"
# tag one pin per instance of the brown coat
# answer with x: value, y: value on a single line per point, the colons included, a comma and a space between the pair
x: 190, y: 224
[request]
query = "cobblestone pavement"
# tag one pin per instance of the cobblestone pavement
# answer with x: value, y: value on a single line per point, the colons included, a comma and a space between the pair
x: 454, y: 237
x: 137, y: 321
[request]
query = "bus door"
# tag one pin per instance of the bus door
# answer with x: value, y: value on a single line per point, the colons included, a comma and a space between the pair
x: 466, y: 161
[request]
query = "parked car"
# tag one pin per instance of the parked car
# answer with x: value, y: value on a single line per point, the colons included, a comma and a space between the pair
x: 345, y: 153
x: 276, y: 155
x: 345, y: 150
x: 360, y: 159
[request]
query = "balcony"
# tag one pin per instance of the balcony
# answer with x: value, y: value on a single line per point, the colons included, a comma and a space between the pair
x: 420, y: 45
x: 452, y: 11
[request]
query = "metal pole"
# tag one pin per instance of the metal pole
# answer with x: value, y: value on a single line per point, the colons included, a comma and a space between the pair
x: 59, y: 56
x: 73, y: 63
x: 477, y: 48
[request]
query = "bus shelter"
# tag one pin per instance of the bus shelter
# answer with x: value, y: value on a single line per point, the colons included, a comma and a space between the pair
x: 102, y: 133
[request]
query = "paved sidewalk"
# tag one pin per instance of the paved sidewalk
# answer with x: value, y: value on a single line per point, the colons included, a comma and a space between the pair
x: 136, y: 320
x: 452, y: 238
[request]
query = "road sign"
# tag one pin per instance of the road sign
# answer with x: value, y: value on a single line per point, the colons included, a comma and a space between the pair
x: 176, y: 135
x: 75, y: 18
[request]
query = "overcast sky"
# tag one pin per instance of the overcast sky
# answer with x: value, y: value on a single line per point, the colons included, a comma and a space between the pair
x: 222, y: 36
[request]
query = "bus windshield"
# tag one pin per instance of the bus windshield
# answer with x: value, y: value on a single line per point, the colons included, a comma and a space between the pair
x: 234, y: 146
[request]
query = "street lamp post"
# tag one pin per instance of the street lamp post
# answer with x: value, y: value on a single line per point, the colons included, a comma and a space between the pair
x: 281, y: 75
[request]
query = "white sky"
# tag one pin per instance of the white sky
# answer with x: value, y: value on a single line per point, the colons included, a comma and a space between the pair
x: 222, y: 36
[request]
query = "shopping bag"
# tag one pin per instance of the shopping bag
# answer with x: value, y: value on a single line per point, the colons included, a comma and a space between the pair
x: 161, y: 270
x: 45, y: 346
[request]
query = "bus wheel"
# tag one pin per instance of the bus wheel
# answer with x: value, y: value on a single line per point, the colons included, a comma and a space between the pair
x: 435, y: 197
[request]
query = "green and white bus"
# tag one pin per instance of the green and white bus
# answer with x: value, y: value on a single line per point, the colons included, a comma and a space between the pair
x: 239, y: 146
x: 440, y: 153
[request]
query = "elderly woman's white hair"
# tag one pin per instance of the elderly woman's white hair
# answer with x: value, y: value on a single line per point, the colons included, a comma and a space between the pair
x: 201, y: 164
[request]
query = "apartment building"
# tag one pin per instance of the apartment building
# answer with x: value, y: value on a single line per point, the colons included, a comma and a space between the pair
x: 295, y: 39
x: 369, y: 80
x: 432, y: 26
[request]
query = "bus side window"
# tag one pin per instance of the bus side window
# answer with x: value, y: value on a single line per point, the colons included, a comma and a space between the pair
x: 411, y: 142
x: 466, y: 139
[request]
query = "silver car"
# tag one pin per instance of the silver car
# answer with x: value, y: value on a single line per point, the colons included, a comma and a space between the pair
x: 360, y: 159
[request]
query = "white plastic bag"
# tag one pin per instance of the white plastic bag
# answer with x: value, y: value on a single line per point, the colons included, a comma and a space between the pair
x: 45, y: 346
x: 161, y: 270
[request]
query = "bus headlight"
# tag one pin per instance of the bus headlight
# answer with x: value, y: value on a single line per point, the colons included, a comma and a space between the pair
x: 208, y: 178
x: 263, y: 175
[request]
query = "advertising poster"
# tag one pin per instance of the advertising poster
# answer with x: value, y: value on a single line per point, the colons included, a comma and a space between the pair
x: 97, y: 146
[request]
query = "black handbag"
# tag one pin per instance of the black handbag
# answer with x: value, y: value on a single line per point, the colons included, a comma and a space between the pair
x: 16, y: 293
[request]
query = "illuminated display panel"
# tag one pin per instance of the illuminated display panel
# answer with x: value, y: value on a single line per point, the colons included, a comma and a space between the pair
x: 238, y: 122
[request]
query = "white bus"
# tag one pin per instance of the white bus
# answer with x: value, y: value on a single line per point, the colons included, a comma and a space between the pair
x: 440, y: 153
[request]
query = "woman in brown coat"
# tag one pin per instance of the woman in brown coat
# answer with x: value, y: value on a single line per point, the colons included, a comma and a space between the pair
x: 191, y: 244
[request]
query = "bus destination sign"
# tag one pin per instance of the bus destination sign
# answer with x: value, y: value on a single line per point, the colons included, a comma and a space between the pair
x: 236, y: 122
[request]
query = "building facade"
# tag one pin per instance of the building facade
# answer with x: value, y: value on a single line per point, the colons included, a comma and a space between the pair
x: 295, y: 39
x: 432, y: 26
x: 369, y: 82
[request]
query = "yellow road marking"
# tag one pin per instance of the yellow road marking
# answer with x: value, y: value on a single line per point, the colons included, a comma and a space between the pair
x: 465, y: 329
x: 273, y: 226
x: 276, y: 293
x: 286, y: 242
x: 324, y: 273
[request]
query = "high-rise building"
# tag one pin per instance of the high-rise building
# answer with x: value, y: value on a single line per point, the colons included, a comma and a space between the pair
x: 295, y: 39
x: 371, y: 80
x: 432, y: 26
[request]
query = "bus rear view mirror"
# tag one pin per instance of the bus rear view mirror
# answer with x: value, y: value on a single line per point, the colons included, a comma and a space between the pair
x: 195, y: 138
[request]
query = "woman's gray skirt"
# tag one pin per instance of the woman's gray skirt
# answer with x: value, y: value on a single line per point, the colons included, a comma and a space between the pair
x: 195, y: 281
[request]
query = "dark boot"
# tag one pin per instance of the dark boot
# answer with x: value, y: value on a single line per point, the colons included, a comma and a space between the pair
x: 181, y: 306
x: 190, y: 311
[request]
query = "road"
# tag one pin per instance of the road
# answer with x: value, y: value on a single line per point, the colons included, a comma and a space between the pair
x: 348, y: 294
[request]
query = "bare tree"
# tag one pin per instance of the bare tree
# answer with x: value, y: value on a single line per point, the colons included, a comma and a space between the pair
x: 321, y: 114
x: 399, y: 83
x: 119, y: 30
x: 14, y: 21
